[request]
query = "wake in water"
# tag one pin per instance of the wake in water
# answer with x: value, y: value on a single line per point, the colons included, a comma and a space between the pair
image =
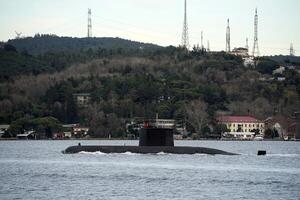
x: 284, y: 155
x: 93, y: 153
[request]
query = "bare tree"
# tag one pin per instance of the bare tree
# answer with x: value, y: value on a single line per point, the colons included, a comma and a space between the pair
x: 196, y: 114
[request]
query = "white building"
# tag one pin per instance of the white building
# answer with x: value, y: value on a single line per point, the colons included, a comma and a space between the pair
x: 243, y: 127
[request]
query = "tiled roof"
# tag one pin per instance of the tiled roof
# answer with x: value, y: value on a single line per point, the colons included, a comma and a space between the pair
x: 242, y: 119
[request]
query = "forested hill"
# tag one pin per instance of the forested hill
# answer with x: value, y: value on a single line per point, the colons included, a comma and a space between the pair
x: 40, y: 44
x: 286, y: 59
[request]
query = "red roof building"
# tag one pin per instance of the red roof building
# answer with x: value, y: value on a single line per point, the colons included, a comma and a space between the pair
x: 237, y: 119
x: 242, y: 123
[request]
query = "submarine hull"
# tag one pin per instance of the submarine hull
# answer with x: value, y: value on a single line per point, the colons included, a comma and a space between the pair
x: 146, y: 150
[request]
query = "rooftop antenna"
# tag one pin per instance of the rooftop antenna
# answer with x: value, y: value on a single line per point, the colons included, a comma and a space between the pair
x: 292, y: 51
x: 89, y: 26
x: 18, y: 34
x: 228, y: 37
x: 255, y: 46
x: 185, y: 34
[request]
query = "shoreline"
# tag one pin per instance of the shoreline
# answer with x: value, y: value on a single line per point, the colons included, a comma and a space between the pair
x: 114, y: 139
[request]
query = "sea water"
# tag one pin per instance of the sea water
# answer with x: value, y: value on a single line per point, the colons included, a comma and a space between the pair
x: 38, y: 170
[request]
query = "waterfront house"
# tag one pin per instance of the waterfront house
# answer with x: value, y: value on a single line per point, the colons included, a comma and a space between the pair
x: 3, y: 129
x: 74, y: 131
x: 28, y: 135
x: 242, y: 127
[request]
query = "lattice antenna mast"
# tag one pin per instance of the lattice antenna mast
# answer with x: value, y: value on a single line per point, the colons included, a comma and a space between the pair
x: 208, y: 46
x: 89, y: 28
x: 255, y: 46
x: 185, y: 34
x: 202, y: 46
x: 228, y: 37
x: 292, y: 51
x: 247, y: 44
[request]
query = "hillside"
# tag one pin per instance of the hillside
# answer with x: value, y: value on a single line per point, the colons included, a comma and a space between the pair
x: 13, y: 63
x: 41, y: 44
x: 171, y: 82
x: 286, y: 59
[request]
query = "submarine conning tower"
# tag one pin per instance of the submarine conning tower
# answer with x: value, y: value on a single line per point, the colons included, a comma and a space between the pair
x: 153, y: 134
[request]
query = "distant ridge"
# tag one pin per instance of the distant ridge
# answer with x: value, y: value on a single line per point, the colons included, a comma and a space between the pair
x: 40, y: 44
x: 285, y: 59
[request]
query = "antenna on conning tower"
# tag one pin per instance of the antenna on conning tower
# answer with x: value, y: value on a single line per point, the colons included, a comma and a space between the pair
x: 18, y: 34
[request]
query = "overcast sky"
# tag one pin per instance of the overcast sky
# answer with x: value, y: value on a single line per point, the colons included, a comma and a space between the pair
x: 159, y: 21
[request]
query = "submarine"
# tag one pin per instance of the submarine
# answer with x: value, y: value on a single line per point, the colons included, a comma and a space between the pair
x: 152, y: 140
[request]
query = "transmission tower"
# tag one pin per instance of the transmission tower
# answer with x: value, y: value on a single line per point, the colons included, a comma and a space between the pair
x: 202, y: 46
x: 292, y: 51
x: 255, y: 46
x: 208, y: 47
x: 89, y: 27
x: 247, y: 45
x: 185, y: 34
x: 18, y: 34
x: 228, y: 37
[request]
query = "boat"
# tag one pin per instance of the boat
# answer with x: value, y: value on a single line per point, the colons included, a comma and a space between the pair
x: 153, y: 139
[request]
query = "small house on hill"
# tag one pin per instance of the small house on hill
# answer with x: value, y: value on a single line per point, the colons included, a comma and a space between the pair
x: 82, y: 99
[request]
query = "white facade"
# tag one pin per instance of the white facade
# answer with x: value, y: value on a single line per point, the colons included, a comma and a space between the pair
x: 245, y: 127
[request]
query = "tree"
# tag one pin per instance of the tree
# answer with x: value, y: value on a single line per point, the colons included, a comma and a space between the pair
x: 196, y: 114
x: 266, y: 66
x: 46, y: 125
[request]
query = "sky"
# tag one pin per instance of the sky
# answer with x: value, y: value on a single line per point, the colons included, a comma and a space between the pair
x: 159, y: 21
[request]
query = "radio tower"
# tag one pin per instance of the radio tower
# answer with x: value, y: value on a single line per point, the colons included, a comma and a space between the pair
x: 202, y: 46
x: 208, y: 46
x: 255, y: 46
x: 228, y: 37
x: 247, y: 45
x: 292, y: 51
x: 89, y: 31
x: 185, y: 34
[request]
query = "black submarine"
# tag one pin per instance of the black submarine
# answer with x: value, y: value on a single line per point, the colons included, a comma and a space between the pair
x: 152, y: 140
